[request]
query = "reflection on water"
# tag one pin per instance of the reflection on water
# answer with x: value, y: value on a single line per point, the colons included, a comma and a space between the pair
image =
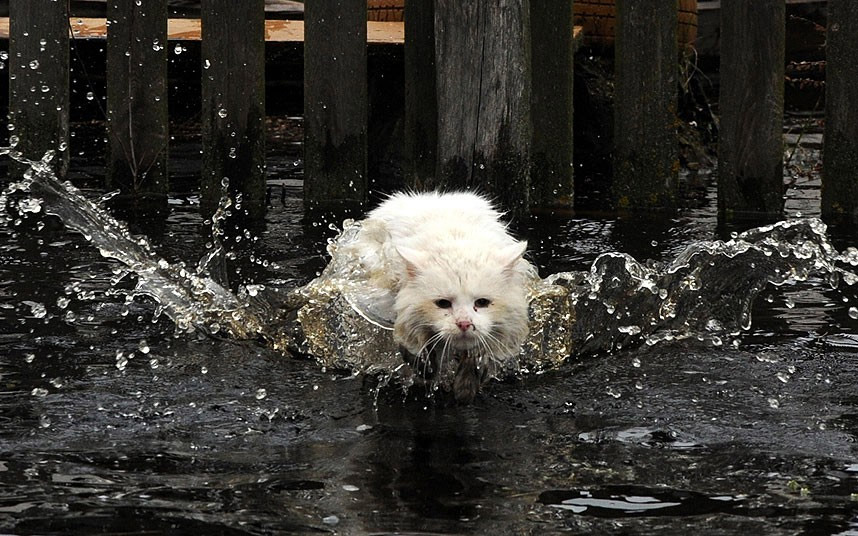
x: 114, y: 421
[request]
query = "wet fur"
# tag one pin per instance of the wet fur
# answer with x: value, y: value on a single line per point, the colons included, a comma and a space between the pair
x: 430, y: 247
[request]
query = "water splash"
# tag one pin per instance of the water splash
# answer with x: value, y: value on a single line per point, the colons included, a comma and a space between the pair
x: 344, y: 319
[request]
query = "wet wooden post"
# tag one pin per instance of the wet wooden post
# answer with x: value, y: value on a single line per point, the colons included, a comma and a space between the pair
x: 421, y: 97
x: 553, y: 57
x: 39, y: 79
x: 233, y: 103
x: 750, y: 149
x: 646, y: 158
x: 335, y: 103
x: 137, y: 100
x: 483, y: 82
x: 840, y: 152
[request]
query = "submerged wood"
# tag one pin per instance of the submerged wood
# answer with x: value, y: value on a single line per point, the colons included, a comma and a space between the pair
x: 750, y: 149
x: 840, y: 152
x: 552, y: 55
x: 483, y: 83
x: 646, y: 159
x: 233, y: 88
x: 335, y: 103
x: 39, y: 79
x: 137, y: 99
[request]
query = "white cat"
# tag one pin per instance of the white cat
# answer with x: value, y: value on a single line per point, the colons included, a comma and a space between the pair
x: 459, y: 280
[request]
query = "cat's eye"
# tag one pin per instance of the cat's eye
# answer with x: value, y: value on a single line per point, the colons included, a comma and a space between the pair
x: 482, y: 302
x: 443, y: 304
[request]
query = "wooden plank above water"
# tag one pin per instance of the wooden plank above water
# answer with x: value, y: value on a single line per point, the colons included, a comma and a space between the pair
x: 377, y: 33
x: 189, y: 30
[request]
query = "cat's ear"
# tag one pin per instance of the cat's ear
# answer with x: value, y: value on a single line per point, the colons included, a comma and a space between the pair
x: 510, y: 255
x: 413, y: 260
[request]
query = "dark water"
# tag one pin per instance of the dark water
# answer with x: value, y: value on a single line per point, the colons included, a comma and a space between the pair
x: 111, y: 423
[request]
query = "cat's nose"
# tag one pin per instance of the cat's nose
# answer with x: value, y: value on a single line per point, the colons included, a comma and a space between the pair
x: 464, y: 325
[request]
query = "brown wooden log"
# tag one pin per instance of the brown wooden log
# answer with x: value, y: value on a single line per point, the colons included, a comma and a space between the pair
x: 483, y: 82
x: 39, y: 79
x: 552, y: 57
x: 335, y: 103
x: 137, y: 99
x: 750, y: 149
x: 645, y: 159
x: 421, y: 96
x: 840, y: 152
x: 233, y: 89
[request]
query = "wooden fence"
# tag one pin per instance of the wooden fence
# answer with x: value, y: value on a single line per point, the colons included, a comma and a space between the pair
x: 488, y: 92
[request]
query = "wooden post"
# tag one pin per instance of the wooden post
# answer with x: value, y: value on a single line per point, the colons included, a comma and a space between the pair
x: 421, y: 96
x: 335, y: 103
x: 39, y: 79
x: 840, y: 152
x: 233, y: 89
x: 483, y: 84
x: 553, y: 57
x: 646, y: 164
x: 750, y: 149
x: 137, y: 98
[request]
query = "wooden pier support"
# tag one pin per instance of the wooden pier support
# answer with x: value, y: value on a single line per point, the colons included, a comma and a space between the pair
x: 552, y: 57
x: 39, y: 79
x: 137, y: 100
x: 750, y: 149
x: 421, y: 96
x: 840, y: 152
x: 483, y: 83
x: 335, y: 103
x: 645, y: 159
x: 233, y: 89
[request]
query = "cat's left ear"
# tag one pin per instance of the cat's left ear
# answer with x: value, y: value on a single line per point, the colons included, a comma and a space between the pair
x: 413, y: 259
x: 510, y: 255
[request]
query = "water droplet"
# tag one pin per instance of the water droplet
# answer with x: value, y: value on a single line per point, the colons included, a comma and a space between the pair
x: 39, y: 392
x: 222, y: 113
x: 90, y: 95
x: 773, y: 403
x: 204, y: 370
x: 28, y: 358
x: 34, y: 64
x: 853, y: 313
x: 44, y: 421
x: 261, y: 393
x: 350, y: 487
x: 178, y: 49
x: 143, y: 346
x: 789, y: 303
x: 636, y: 362
x: 783, y: 376
x: 330, y: 520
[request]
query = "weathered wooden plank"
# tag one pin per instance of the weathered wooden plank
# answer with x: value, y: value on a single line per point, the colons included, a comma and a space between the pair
x: 645, y: 158
x: 335, y: 103
x: 39, y: 79
x: 233, y: 88
x: 750, y: 149
x: 137, y: 99
x: 553, y: 57
x: 421, y: 97
x: 840, y: 151
x: 483, y: 84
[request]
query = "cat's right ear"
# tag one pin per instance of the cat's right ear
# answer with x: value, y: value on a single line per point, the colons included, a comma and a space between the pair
x: 413, y: 260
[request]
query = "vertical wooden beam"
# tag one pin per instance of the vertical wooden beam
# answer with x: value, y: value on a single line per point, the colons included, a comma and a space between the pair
x: 553, y: 57
x: 750, y: 148
x: 335, y: 103
x: 483, y: 83
x: 233, y: 89
x: 421, y: 96
x: 137, y: 98
x: 39, y: 79
x: 646, y: 164
x: 840, y: 152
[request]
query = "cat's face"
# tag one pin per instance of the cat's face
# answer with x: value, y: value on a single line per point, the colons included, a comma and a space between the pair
x: 461, y: 301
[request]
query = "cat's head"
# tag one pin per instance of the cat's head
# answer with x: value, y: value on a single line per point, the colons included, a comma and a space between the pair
x: 466, y: 297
